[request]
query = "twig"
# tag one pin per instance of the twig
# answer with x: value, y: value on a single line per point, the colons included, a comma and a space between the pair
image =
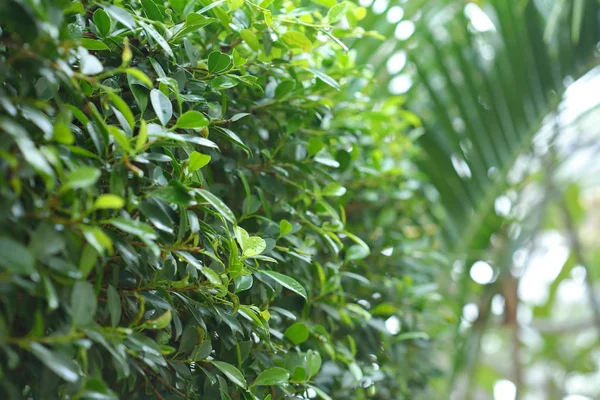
x: 161, y: 380
x: 155, y: 391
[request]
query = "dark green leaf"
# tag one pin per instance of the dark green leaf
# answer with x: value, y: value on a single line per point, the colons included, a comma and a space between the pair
x: 15, y: 257
x: 59, y: 363
x: 218, y: 62
x: 102, y: 22
x: 231, y: 372
x: 114, y: 305
x: 175, y: 192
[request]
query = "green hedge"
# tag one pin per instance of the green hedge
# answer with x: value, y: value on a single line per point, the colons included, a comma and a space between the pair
x: 184, y: 190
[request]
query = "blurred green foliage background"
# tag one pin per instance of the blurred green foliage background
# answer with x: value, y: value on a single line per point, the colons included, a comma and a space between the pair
x: 299, y: 199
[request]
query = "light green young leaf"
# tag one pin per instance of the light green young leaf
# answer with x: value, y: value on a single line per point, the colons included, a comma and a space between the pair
x: 284, y: 227
x: 313, y: 362
x: 192, y: 120
x: 197, y: 161
x: 297, y: 333
x: 337, y: 12
x: 142, y: 136
x: 297, y: 40
x: 92, y: 44
x: 109, y: 201
x: 356, y: 252
x: 250, y: 39
x: 241, y: 235
x: 159, y: 323
x: 121, y: 138
x: 253, y: 246
x: 333, y: 189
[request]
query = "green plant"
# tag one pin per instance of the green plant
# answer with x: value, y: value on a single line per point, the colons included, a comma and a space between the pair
x: 175, y: 179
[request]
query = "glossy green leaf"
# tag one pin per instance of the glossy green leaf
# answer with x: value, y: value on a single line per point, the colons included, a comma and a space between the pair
x: 325, y: 78
x: 356, y: 252
x: 152, y: 10
x: 218, y: 62
x: 91, y: 44
x: 272, y: 376
x: 217, y: 204
x: 175, y: 192
x: 250, y: 39
x: 109, y: 201
x: 297, y: 333
x: 333, y: 189
x: 162, y: 106
x: 197, y: 161
x: 159, y: 323
x: 192, y: 120
x: 284, y: 227
x: 120, y: 15
x: 134, y: 227
x: 102, y: 22
x: 59, y: 363
x: 287, y: 282
x: 231, y: 372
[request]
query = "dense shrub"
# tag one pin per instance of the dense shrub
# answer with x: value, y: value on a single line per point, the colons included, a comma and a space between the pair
x: 202, y: 200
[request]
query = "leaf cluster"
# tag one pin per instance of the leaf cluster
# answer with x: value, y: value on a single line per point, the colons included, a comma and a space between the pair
x: 198, y: 200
